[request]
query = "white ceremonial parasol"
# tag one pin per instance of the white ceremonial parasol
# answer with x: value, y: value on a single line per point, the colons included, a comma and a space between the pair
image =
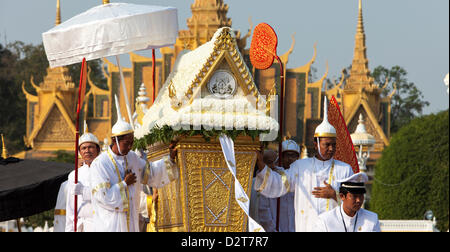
x: 108, y: 30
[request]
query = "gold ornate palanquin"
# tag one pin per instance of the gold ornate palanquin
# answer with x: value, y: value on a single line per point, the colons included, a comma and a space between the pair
x: 202, y: 198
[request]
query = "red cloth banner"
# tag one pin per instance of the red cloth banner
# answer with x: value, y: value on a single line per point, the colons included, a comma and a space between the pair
x: 345, y: 151
x: 82, y: 87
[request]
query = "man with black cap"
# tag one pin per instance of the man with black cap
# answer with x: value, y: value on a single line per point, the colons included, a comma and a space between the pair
x: 349, y: 216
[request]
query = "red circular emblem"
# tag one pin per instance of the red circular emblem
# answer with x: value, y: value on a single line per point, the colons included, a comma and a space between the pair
x: 264, y: 46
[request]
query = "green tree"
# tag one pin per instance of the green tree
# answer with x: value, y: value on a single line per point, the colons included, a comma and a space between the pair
x: 63, y: 157
x: 19, y: 62
x: 13, y: 108
x: 408, y: 101
x: 412, y: 175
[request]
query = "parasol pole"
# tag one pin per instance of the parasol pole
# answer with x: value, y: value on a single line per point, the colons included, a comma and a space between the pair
x: 265, y: 42
x: 280, y: 144
x: 75, y: 209
x: 281, y: 119
x: 125, y: 94
x: 81, y: 93
x: 153, y: 77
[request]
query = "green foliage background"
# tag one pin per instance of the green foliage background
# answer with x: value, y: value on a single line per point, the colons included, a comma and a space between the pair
x: 413, y: 174
x: 19, y: 62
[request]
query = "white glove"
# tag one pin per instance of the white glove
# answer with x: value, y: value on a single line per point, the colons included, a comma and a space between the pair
x: 79, y: 189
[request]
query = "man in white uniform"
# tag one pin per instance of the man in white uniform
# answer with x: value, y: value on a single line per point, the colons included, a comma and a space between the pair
x: 350, y: 217
x: 116, y: 178
x: 89, y: 148
x: 59, y: 219
x: 267, y: 210
x: 269, y: 158
x: 314, y: 180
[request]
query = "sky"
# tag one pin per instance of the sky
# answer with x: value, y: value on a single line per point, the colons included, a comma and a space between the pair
x: 413, y: 34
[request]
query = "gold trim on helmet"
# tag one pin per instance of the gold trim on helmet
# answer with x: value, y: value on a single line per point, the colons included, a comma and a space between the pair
x: 123, y: 133
x: 325, y: 135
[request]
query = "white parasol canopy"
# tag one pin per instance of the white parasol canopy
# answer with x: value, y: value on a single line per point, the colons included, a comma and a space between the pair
x: 109, y: 30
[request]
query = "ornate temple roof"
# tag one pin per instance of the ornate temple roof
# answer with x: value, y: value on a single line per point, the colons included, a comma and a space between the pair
x: 185, y: 92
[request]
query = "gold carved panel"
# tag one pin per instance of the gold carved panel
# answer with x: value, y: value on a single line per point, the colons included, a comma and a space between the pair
x: 55, y: 129
x: 202, y: 198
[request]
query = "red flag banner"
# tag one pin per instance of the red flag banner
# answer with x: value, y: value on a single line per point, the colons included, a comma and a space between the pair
x: 345, y: 151
x: 82, y: 87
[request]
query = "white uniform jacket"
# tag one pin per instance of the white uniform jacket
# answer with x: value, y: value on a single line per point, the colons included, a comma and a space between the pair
x: 301, y: 178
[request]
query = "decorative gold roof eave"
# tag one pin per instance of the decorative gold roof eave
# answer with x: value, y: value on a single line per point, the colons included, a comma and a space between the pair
x: 113, y: 68
x: 285, y: 57
x: 139, y: 58
x: 337, y: 87
x: 28, y: 96
x: 36, y: 87
x: 306, y: 68
x: 319, y: 83
x: 94, y: 88
x: 389, y: 97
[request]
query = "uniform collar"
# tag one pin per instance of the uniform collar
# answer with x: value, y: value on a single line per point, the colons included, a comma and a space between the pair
x: 279, y: 168
x: 322, y: 164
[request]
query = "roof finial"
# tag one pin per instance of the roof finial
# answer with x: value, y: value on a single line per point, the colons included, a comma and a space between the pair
x: 105, y: 1
x: 360, y: 19
x: 58, y: 13
x: 359, y: 74
x: 4, y: 152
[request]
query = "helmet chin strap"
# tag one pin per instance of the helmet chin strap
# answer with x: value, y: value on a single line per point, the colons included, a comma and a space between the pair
x: 118, y: 147
x: 318, y: 146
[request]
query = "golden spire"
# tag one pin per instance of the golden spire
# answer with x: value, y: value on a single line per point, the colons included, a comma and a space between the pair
x: 58, y: 13
x: 4, y: 152
x: 359, y: 74
x: 210, y: 15
x: 360, y: 28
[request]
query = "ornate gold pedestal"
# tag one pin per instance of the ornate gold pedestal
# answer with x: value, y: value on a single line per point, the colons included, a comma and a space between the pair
x: 202, y: 199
